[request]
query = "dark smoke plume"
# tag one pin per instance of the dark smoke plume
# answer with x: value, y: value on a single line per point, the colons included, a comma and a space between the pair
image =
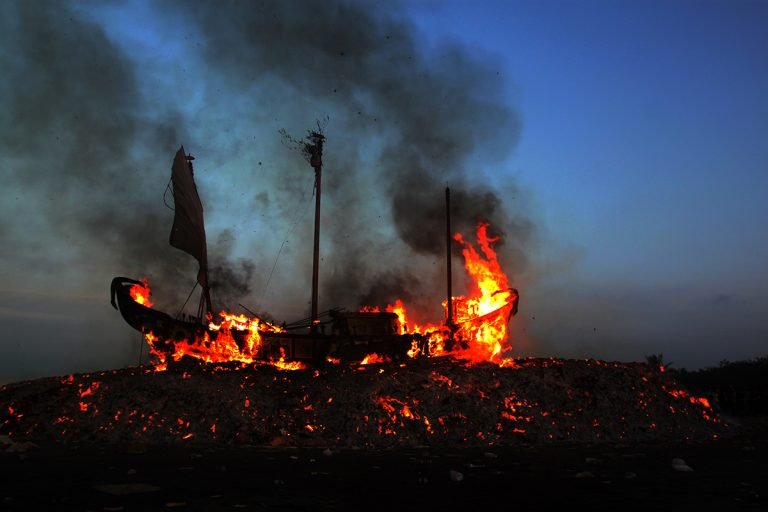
x: 404, y: 123
x: 71, y: 100
x: 73, y: 126
x: 230, y: 280
x: 84, y: 150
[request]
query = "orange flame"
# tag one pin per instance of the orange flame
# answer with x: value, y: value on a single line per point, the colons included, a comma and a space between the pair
x: 479, y: 319
x: 374, y: 358
x: 216, y: 344
x: 140, y: 293
x: 478, y: 333
x: 481, y: 316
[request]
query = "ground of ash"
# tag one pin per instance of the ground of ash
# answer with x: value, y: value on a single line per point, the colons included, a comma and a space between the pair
x: 436, y: 402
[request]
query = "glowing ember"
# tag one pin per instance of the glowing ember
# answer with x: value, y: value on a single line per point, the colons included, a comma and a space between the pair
x: 435, y: 401
x: 287, y: 365
x: 373, y: 359
x: 684, y: 395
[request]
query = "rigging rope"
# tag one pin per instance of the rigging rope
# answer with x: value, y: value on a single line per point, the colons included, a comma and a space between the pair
x: 165, y: 201
x: 185, y: 302
x: 287, y: 236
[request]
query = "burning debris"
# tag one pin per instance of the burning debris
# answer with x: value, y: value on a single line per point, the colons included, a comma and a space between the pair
x: 437, y: 401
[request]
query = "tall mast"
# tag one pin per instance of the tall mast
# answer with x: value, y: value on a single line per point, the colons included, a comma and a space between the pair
x: 314, y: 149
x: 449, y: 318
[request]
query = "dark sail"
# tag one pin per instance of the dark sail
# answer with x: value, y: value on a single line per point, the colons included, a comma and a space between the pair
x: 188, y: 232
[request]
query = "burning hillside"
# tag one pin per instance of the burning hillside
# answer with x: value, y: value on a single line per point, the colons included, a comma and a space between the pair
x: 438, y: 401
x: 369, y: 378
x: 375, y: 380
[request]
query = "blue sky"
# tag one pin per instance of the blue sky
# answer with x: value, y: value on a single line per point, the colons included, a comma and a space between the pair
x: 645, y: 147
x: 645, y: 127
x: 642, y: 162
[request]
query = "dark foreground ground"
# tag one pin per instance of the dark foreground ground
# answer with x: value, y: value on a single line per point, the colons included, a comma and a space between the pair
x: 728, y: 474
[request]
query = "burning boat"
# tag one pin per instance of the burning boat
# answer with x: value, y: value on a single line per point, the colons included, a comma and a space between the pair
x: 472, y: 327
x: 436, y: 402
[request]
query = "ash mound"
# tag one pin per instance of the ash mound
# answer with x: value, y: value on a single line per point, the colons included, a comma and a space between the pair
x: 439, y: 401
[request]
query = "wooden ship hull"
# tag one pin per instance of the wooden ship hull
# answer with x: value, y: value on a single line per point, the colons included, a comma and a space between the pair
x: 353, y: 335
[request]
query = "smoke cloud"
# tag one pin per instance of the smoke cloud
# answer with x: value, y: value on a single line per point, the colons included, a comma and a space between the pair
x: 70, y: 98
x: 83, y: 143
x: 404, y: 123
x: 74, y: 139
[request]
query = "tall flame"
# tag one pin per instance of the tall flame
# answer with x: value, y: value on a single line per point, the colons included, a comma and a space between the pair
x: 481, y: 316
x: 479, y: 332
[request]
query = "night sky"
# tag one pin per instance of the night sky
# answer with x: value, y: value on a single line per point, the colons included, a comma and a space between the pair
x: 619, y: 148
